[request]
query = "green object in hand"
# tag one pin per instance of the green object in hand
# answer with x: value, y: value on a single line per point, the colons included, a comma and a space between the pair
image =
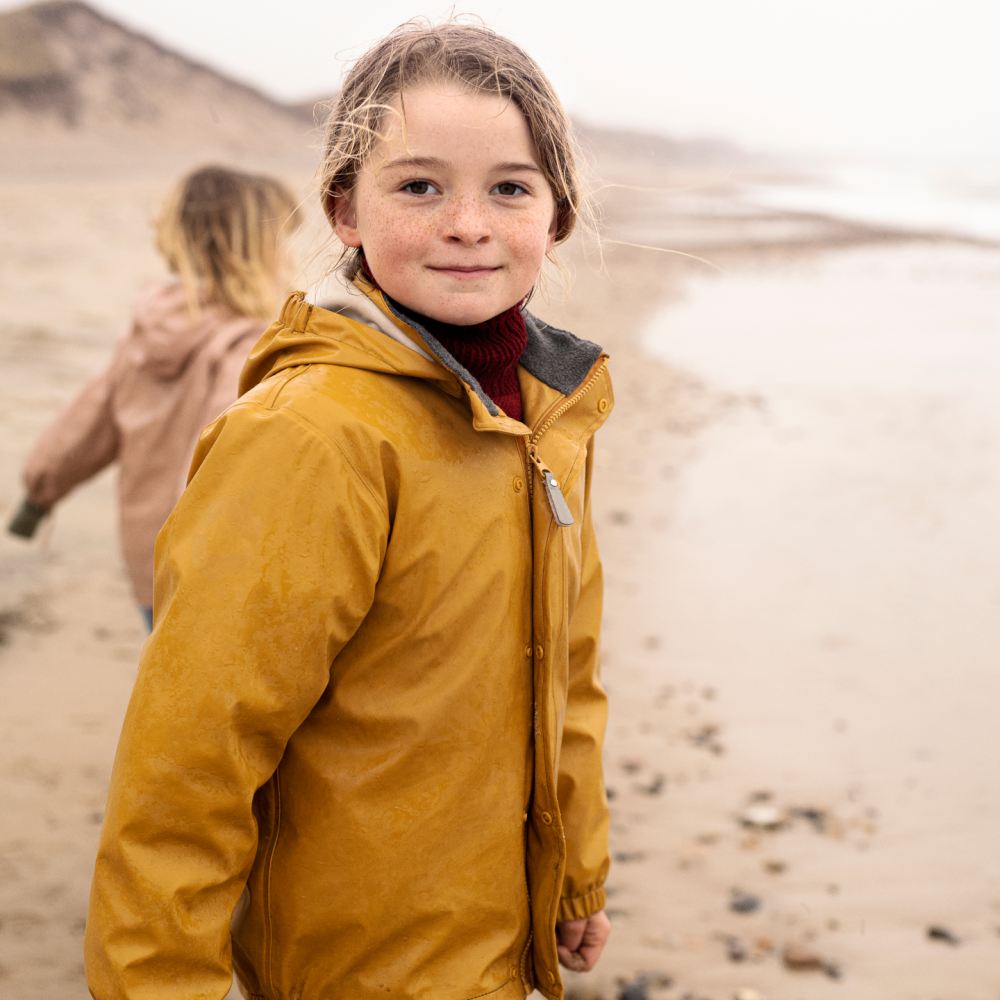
x: 26, y: 520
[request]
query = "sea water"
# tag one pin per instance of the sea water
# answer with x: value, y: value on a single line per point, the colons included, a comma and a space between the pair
x: 917, y: 317
x: 952, y: 198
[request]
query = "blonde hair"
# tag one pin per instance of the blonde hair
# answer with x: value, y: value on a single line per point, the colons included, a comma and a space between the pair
x: 219, y: 231
x: 480, y: 60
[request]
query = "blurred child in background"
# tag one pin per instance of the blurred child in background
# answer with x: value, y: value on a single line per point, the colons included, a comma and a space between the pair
x: 178, y: 365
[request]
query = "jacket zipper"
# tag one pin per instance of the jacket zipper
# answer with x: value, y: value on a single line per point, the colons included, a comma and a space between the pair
x: 557, y: 502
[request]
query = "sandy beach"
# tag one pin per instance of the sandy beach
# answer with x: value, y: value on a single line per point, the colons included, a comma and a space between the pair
x: 795, y: 502
x: 800, y: 618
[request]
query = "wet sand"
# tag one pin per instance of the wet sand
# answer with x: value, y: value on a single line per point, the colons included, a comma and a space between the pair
x: 801, y: 597
x: 801, y: 616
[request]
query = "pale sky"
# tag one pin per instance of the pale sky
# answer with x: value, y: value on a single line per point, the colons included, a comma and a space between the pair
x: 888, y: 77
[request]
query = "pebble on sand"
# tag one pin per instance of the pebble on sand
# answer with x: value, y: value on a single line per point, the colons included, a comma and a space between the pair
x: 735, y: 951
x: 633, y: 991
x: 638, y: 988
x: 938, y: 933
x: 802, y: 959
x: 743, y: 902
x: 763, y: 817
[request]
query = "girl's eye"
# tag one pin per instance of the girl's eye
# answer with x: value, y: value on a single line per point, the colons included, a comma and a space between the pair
x: 508, y: 189
x: 420, y: 187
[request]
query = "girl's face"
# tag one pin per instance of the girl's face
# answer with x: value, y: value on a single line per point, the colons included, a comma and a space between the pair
x: 453, y: 212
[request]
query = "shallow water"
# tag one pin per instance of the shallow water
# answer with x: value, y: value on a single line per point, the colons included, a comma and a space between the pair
x: 961, y: 199
x: 921, y: 318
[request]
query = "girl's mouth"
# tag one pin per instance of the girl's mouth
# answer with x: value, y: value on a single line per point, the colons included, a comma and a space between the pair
x: 465, y: 272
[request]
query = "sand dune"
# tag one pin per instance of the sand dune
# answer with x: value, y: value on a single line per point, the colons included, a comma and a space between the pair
x: 80, y: 91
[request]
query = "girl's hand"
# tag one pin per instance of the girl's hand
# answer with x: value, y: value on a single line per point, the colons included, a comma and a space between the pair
x: 579, y: 943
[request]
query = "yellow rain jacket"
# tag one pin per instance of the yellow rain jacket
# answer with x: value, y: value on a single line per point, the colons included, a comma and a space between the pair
x: 369, y: 719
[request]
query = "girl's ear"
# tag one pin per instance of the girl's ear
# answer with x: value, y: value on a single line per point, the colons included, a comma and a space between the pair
x: 345, y: 218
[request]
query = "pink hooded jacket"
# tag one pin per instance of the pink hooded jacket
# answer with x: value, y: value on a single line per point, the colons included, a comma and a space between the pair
x: 169, y: 377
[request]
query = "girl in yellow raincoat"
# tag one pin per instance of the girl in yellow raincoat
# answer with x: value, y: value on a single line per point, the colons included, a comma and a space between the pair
x: 363, y: 754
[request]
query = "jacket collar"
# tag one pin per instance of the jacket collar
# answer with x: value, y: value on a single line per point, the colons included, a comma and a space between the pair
x: 557, y: 358
x: 354, y: 326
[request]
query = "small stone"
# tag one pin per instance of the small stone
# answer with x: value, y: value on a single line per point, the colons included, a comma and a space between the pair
x: 654, y: 787
x: 802, y: 959
x: 938, y: 933
x: 735, y: 951
x: 633, y: 991
x: 623, y: 857
x: 818, y: 818
x: 743, y: 902
x: 775, y: 867
x: 762, y: 817
x: 707, y: 737
x: 832, y: 970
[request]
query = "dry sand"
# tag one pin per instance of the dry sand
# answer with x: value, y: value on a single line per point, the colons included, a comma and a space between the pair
x: 802, y: 586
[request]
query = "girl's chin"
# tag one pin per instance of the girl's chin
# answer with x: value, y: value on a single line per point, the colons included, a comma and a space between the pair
x: 461, y: 313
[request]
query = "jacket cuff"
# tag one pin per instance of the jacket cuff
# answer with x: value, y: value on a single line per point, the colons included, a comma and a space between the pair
x: 581, y: 907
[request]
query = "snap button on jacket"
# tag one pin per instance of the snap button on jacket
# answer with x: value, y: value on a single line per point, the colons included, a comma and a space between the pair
x: 340, y: 769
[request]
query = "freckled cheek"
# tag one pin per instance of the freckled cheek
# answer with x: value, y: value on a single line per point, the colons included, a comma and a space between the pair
x: 400, y: 239
x: 392, y: 240
x: 527, y: 240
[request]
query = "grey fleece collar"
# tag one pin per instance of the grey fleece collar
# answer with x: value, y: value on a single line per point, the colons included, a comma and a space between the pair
x: 555, y: 357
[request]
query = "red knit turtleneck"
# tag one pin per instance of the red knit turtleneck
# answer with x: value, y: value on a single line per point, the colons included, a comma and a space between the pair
x: 489, y: 351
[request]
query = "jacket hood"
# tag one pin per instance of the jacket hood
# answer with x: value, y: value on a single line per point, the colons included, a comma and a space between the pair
x: 164, y: 335
x: 360, y: 328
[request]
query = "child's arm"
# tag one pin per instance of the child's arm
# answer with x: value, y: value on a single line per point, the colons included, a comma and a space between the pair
x: 265, y: 569
x: 81, y: 441
x: 581, y: 782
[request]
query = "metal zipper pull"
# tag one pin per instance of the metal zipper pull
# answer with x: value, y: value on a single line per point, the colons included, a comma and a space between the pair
x: 557, y: 502
x: 560, y: 509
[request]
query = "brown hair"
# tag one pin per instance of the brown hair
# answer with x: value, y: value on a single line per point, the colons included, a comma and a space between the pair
x: 475, y: 57
x: 219, y: 231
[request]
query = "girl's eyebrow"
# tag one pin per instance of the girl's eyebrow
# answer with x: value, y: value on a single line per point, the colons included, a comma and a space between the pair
x: 436, y: 162
x: 415, y: 161
x: 518, y: 166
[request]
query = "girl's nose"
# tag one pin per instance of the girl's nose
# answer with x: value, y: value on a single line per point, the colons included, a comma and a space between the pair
x: 467, y: 222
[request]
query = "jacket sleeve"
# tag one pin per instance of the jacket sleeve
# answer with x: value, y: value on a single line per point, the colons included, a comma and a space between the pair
x: 582, y: 799
x: 265, y: 570
x: 80, y: 442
